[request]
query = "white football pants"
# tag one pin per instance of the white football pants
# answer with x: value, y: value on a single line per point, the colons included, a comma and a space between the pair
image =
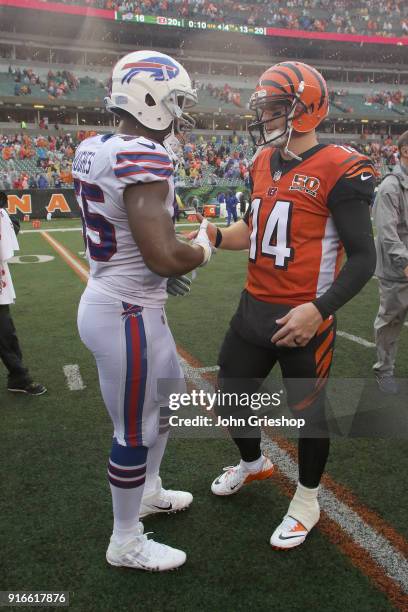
x: 137, y: 363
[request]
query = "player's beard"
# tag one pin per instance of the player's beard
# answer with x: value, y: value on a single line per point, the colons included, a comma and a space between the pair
x: 276, y: 139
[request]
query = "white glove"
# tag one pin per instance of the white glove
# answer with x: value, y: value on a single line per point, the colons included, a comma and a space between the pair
x: 178, y: 285
x: 203, y: 241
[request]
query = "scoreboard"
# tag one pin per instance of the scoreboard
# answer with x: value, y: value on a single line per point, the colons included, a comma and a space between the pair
x: 191, y: 24
x: 195, y: 24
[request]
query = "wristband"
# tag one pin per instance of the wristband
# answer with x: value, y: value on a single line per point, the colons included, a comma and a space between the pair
x: 218, y: 238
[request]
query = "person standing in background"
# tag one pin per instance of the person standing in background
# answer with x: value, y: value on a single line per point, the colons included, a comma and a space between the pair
x: 231, y: 202
x: 19, y: 380
x: 391, y: 220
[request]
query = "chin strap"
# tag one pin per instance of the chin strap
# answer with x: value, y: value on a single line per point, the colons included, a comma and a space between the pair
x: 290, y: 119
x: 286, y: 149
x: 173, y: 146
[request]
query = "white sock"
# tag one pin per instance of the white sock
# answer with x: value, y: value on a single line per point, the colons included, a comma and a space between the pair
x: 304, y: 506
x: 253, y: 466
x: 155, y: 456
x: 126, y: 504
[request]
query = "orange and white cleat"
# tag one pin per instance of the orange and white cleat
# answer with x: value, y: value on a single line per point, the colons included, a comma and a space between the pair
x: 289, y: 534
x: 235, y: 477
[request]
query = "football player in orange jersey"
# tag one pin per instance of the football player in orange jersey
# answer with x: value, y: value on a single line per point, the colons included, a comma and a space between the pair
x: 310, y: 203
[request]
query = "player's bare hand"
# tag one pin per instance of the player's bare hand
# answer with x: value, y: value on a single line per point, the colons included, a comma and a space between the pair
x: 298, y: 326
x: 406, y: 271
x: 211, y: 230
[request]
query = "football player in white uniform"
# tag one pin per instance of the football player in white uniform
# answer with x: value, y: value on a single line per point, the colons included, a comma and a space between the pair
x: 125, y: 189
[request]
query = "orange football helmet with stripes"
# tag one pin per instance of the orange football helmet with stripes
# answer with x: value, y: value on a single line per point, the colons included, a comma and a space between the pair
x: 298, y: 91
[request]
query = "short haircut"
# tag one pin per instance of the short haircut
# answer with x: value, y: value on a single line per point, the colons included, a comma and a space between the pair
x: 402, y: 141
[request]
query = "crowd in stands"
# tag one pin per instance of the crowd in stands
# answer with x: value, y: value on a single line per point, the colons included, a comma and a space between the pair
x: 56, y: 84
x: 50, y: 156
x: 226, y: 94
x: 389, y: 18
x: 207, y: 160
x: 387, y: 98
x: 383, y: 154
x: 215, y: 159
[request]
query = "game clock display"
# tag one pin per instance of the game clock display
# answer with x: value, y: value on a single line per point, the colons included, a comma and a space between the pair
x: 190, y: 24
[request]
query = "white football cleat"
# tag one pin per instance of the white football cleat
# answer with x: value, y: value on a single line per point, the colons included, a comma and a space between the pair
x: 235, y: 477
x: 141, y: 553
x: 289, y: 534
x: 166, y: 501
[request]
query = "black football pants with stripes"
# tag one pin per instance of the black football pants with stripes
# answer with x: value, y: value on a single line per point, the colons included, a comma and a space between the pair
x: 10, y: 352
x: 243, y: 368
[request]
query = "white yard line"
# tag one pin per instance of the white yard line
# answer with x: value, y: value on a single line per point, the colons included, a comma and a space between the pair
x: 74, y: 378
x: 356, y: 339
x: 46, y: 229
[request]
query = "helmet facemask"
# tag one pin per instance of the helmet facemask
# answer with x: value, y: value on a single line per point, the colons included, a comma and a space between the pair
x: 177, y: 102
x: 269, y: 109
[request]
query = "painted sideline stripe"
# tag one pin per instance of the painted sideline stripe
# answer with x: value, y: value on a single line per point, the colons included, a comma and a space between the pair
x: 394, y: 564
x: 73, y: 376
x: 206, y: 369
x: 369, y: 516
x: 193, y: 367
x: 74, y: 263
x: 350, y: 548
x: 376, y: 549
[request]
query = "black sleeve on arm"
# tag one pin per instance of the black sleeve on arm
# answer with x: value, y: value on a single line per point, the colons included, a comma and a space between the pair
x: 349, y: 205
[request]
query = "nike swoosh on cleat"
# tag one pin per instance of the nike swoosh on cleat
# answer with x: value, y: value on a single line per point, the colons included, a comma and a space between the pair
x: 234, y: 487
x: 281, y: 537
x: 169, y: 507
x: 152, y: 146
x: 364, y: 177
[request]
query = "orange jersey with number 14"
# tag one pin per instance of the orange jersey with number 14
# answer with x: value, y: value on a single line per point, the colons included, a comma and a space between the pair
x: 295, y: 251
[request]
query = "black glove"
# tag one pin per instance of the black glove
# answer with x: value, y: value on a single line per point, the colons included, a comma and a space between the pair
x: 178, y: 285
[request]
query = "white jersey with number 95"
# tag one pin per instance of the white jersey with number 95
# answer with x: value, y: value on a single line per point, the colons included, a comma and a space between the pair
x: 103, y: 167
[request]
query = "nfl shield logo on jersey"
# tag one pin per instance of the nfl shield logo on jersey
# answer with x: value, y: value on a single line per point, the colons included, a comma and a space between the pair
x: 276, y: 175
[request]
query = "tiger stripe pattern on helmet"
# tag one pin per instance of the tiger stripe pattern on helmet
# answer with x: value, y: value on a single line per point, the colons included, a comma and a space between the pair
x: 298, y: 84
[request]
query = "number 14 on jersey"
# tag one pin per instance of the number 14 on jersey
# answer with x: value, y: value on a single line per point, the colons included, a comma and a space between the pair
x: 274, y: 237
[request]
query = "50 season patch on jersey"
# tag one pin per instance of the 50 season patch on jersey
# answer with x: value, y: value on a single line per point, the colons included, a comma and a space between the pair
x: 308, y: 184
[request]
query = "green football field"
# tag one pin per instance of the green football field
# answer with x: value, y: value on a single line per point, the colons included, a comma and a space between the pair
x: 55, y: 502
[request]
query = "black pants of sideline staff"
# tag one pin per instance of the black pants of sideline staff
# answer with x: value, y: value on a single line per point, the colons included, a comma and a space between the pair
x: 10, y: 352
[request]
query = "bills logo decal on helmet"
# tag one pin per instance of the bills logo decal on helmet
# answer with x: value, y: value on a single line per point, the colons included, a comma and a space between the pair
x: 153, y: 88
x: 160, y: 69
